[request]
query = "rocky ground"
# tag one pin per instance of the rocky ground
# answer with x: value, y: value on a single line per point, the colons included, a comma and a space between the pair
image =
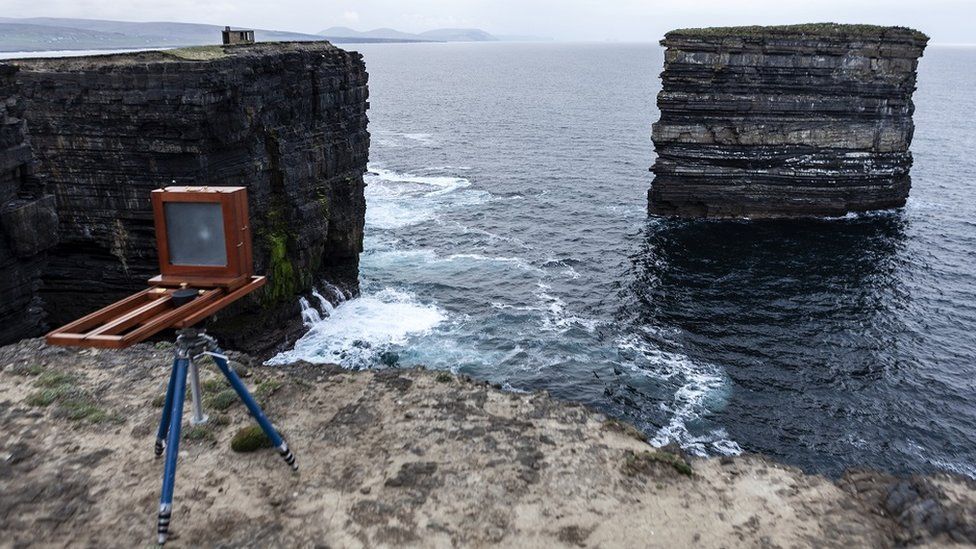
x: 405, y: 458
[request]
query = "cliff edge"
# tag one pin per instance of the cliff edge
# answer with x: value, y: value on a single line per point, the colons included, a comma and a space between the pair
x: 783, y: 121
x: 405, y: 458
x: 286, y: 120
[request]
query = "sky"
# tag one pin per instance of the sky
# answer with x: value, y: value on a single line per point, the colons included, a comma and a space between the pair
x: 946, y: 21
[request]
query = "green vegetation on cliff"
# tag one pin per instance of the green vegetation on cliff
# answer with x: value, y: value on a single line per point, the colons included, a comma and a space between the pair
x: 828, y: 30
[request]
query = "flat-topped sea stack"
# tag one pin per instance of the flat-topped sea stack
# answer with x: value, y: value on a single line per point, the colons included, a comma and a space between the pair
x: 94, y: 135
x: 785, y: 121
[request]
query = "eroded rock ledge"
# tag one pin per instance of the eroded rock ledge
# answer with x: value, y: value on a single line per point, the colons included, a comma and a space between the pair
x: 785, y: 121
x: 286, y: 120
x: 406, y: 458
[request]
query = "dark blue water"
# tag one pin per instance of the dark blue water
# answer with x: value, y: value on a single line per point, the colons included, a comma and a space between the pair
x: 507, y: 238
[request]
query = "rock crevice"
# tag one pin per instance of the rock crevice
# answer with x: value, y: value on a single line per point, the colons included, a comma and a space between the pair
x: 784, y: 121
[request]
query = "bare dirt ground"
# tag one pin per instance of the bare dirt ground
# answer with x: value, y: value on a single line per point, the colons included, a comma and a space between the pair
x: 399, y: 458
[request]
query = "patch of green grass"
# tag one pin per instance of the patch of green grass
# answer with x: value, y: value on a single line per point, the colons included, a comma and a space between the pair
x: 223, y: 400
x: 54, y: 379
x: 70, y: 400
x: 214, y: 386
x: 249, y: 439
x: 443, y: 377
x: 27, y: 369
x: 198, y: 433
x: 636, y: 463
x: 197, y: 53
x: 266, y: 388
x: 813, y: 29
x: 159, y: 400
x: 46, y: 397
x: 77, y: 409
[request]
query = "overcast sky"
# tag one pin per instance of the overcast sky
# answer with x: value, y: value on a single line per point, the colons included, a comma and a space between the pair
x: 946, y: 21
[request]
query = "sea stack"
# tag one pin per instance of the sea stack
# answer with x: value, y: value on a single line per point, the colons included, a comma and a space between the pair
x: 286, y: 120
x: 785, y: 121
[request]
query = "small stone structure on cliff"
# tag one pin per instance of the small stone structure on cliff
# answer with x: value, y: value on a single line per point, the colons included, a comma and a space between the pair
x: 785, y: 121
x: 286, y: 120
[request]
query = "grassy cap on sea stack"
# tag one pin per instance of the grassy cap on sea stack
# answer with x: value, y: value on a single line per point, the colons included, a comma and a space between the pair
x: 811, y: 30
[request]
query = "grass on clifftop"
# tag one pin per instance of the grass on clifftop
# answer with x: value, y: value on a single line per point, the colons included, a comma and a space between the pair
x: 811, y: 29
x: 198, y: 53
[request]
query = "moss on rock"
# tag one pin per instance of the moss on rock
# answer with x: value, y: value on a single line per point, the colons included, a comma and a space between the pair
x: 249, y: 439
x: 443, y: 377
x: 644, y: 463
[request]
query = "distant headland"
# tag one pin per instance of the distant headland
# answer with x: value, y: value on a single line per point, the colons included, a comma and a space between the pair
x: 60, y: 33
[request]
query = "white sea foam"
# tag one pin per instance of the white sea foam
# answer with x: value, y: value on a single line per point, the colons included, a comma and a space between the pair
x: 400, y: 139
x: 700, y: 385
x: 440, y: 183
x: 399, y: 199
x: 556, y: 318
x: 310, y: 316
x: 360, y: 329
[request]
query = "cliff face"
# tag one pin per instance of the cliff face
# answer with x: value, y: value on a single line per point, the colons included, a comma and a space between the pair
x: 286, y: 120
x: 28, y: 223
x: 785, y: 121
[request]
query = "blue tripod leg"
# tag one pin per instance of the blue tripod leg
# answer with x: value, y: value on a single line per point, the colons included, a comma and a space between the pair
x: 172, y: 448
x: 255, y: 410
x: 167, y: 410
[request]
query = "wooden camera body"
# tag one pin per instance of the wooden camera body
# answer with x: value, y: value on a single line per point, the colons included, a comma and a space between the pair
x: 203, y: 236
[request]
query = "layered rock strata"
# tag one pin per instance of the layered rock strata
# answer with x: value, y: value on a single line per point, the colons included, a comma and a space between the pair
x: 286, y: 120
x: 785, y: 121
x: 28, y: 222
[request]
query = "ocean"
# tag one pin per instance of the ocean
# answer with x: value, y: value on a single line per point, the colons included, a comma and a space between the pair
x: 507, y: 239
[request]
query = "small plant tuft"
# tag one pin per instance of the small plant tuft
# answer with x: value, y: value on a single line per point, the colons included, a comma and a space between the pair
x: 223, y: 400
x: 70, y: 400
x: 267, y: 388
x: 27, y: 369
x: 214, y: 386
x: 54, y: 379
x: 198, y: 433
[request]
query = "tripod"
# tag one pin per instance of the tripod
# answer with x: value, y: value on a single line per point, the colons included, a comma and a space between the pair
x: 192, y: 343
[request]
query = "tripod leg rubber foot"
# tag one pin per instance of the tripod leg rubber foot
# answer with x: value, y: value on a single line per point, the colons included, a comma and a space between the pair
x: 162, y: 527
x: 159, y: 447
x: 288, y: 456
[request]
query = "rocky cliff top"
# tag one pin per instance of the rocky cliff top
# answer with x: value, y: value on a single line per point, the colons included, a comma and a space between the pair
x: 396, y: 458
x: 195, y: 53
x: 834, y: 31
